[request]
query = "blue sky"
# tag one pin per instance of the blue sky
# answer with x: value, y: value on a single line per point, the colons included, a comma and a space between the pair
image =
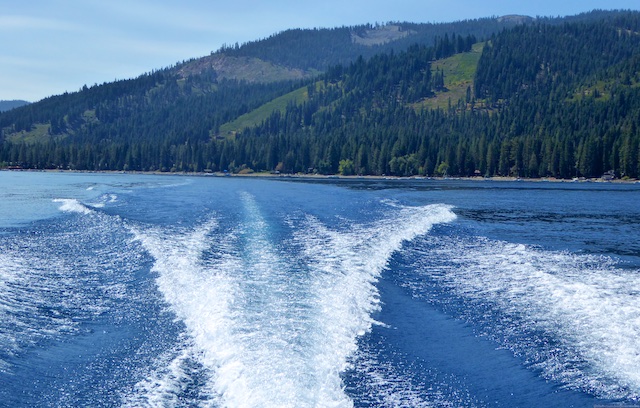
x: 48, y: 47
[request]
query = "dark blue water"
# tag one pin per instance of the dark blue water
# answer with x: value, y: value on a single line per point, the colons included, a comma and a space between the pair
x: 175, y: 291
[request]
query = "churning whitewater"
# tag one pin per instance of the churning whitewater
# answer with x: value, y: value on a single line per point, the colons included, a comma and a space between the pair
x: 159, y: 291
x: 276, y: 323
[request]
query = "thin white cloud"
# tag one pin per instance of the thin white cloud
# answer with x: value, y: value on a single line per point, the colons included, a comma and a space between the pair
x: 20, y: 22
x: 174, y: 16
x: 168, y: 51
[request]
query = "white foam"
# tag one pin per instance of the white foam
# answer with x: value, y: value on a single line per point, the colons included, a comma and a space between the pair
x: 345, y: 267
x: 200, y: 298
x: 72, y: 205
x: 586, y: 305
x: 104, y: 200
x: 272, y: 327
x: 383, y: 384
x: 235, y: 309
x: 168, y: 380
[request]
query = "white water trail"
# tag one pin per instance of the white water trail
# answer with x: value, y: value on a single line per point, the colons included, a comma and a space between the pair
x: 586, y: 304
x: 170, y: 378
x: 345, y: 267
x: 270, y: 323
x: 199, y: 297
x: 276, y: 328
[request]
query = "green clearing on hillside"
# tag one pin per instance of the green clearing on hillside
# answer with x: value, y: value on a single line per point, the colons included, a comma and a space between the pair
x: 41, y: 132
x: 256, y: 116
x: 601, y: 90
x: 459, y: 71
x: 38, y: 134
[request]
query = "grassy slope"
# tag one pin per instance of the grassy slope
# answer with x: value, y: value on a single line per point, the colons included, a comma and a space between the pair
x: 38, y: 134
x: 603, y: 87
x: 256, y: 116
x: 459, y: 71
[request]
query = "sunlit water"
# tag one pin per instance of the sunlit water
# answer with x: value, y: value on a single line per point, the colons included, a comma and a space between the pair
x: 176, y: 291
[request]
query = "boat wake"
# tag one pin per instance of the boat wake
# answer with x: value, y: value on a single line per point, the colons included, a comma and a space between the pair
x: 274, y: 323
x: 576, y: 318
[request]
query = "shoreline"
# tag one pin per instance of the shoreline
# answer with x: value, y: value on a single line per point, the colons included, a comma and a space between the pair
x: 302, y: 176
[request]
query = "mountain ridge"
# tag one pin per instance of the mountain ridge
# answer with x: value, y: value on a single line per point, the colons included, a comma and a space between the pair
x: 523, y: 103
x: 11, y: 104
x: 306, y: 52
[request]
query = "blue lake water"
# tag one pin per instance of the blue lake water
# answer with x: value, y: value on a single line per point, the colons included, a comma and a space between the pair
x: 121, y: 290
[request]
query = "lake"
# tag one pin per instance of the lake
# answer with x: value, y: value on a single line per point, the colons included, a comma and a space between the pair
x: 194, y: 291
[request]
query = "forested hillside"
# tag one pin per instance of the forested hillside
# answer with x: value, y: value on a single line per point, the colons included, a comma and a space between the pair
x: 302, y: 53
x: 322, y: 48
x: 545, y: 98
x: 8, y: 105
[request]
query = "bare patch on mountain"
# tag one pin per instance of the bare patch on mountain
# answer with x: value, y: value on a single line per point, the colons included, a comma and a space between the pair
x: 380, y: 35
x: 242, y: 68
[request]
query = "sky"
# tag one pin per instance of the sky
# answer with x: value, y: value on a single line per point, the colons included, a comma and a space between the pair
x: 48, y: 47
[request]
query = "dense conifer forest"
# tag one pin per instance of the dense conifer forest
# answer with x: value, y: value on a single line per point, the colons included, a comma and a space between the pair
x: 545, y: 98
